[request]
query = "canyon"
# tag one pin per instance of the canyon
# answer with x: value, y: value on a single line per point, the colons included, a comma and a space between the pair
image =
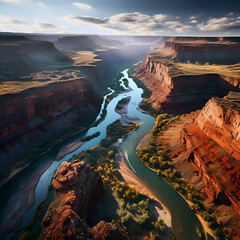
x: 183, y: 73
x: 58, y: 85
x: 20, y: 56
x: 200, y: 78
x: 78, y: 187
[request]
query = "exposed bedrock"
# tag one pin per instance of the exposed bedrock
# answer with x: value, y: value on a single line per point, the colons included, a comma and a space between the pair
x: 180, y: 86
x: 78, y: 186
x: 36, y: 115
x: 182, y: 93
x: 209, y: 140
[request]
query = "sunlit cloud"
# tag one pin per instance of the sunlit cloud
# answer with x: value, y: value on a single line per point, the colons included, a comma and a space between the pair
x: 223, y: 24
x: 41, y: 4
x: 93, y: 21
x: 83, y: 6
x: 135, y: 23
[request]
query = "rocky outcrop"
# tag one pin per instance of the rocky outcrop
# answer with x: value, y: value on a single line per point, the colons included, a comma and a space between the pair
x: 78, y: 187
x: 209, y: 141
x: 34, y: 116
x: 212, y: 144
x: 178, y: 87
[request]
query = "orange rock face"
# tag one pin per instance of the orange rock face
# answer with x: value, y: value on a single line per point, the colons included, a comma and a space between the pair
x: 212, y: 144
x: 209, y: 140
x: 78, y: 187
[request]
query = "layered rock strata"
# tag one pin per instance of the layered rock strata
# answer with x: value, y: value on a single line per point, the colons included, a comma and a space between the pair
x: 183, y: 73
x: 78, y: 186
x: 35, y: 115
x: 205, y: 147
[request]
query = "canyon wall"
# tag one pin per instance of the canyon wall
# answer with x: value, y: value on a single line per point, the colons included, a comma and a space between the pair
x: 19, y: 55
x: 181, y: 93
x: 78, y: 186
x: 212, y: 145
x: 178, y: 87
x: 34, y: 116
x: 205, y: 147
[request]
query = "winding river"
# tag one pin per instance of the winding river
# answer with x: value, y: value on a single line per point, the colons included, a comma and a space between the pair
x: 185, y: 223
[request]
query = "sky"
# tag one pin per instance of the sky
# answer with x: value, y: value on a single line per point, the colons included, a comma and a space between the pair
x: 122, y: 17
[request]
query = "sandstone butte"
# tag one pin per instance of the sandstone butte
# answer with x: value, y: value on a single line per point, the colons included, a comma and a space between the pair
x: 205, y: 147
x: 78, y: 187
x: 183, y: 73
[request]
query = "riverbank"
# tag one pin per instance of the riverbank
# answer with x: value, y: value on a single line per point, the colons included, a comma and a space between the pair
x: 131, y: 179
x: 159, y: 162
x: 21, y: 202
x: 9, y: 172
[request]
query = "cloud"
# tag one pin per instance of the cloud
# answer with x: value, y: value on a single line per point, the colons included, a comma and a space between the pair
x: 16, y: 1
x: 14, y: 25
x: 135, y: 23
x: 41, y: 4
x: 46, y: 26
x: 223, y: 24
x: 93, y: 21
x: 83, y: 6
x: 192, y: 17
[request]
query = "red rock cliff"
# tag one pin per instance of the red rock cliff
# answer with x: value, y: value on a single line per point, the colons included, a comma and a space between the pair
x: 78, y: 187
x: 209, y: 140
x: 31, y: 114
x: 177, y: 87
x: 212, y: 144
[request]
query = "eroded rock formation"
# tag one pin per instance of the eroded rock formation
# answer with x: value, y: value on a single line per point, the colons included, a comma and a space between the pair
x: 205, y: 147
x: 35, y: 115
x: 183, y: 73
x: 78, y: 187
x: 212, y: 144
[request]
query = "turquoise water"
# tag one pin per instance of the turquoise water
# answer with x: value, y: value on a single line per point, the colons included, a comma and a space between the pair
x: 184, y: 220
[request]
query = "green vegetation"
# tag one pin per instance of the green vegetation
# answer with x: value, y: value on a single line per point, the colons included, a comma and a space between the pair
x: 103, y: 114
x: 146, y: 105
x: 133, y: 206
x: 123, y: 102
x: 125, y: 81
x: 158, y: 160
x: 146, y: 92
